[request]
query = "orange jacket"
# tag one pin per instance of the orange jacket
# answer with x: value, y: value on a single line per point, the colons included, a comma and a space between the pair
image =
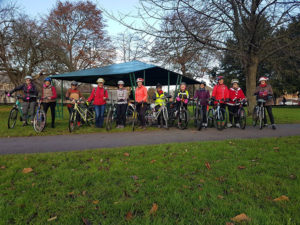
x: 141, y: 94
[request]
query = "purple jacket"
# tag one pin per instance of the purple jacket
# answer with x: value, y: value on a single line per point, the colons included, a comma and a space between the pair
x: 203, y: 95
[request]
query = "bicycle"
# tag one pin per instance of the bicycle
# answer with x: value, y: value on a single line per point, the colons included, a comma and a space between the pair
x: 86, y: 114
x: 162, y: 111
x: 13, y: 114
x: 241, y: 113
x: 111, y: 116
x: 198, y: 120
x: 39, y: 121
x: 259, y: 113
x: 217, y: 116
x: 183, y: 117
x: 172, y: 114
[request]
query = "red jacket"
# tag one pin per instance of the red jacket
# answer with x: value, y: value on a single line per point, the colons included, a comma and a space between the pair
x: 97, y: 95
x: 220, y: 91
x: 235, y: 94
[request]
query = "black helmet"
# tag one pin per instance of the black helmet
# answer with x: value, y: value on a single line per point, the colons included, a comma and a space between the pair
x: 158, y: 85
x: 203, y: 82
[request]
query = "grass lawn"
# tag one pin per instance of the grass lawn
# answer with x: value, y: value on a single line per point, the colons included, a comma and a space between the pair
x: 188, y: 183
x: 282, y: 115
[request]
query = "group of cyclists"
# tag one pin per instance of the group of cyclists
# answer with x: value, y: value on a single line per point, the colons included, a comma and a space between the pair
x: 221, y: 96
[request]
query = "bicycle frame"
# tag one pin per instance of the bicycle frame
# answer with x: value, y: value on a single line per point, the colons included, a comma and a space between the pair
x: 82, y: 112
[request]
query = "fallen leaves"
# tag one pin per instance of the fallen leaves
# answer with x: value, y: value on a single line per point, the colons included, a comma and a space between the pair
x: 241, y: 218
x: 241, y: 167
x: 153, y: 161
x: 27, y: 170
x: 220, y: 196
x: 134, y: 177
x: 293, y: 177
x: 3, y: 167
x: 153, y: 209
x: 128, y: 216
x: 207, y: 165
x: 281, y: 198
x: 86, y: 221
x: 52, y: 218
x: 95, y: 202
x: 126, y: 154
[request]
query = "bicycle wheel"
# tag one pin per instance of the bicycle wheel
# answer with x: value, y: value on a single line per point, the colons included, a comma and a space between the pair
x: 243, y: 118
x: 183, y: 119
x: 109, y: 119
x: 12, y: 118
x: 134, y: 120
x: 210, y: 118
x: 255, y: 116
x: 39, y: 120
x: 72, y: 122
x: 221, y: 121
x: 261, y: 118
x: 199, y: 120
x: 165, y: 118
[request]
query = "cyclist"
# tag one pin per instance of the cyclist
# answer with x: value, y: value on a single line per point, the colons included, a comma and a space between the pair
x: 235, y: 93
x: 141, y: 96
x: 29, y: 98
x: 265, y: 91
x: 220, y: 92
x: 49, y: 98
x: 159, y: 97
x: 122, y: 102
x: 73, y: 94
x: 99, y: 95
x: 203, y: 95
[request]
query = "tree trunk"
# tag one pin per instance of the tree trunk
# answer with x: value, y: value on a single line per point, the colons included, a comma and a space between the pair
x: 251, y: 73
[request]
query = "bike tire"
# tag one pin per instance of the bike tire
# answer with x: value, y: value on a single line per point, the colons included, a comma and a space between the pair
x: 109, y: 119
x: 210, y: 118
x: 255, y: 116
x: 243, y: 119
x: 261, y: 119
x: 72, y: 122
x: 39, y: 121
x: 221, y: 122
x: 12, y: 118
x: 165, y: 118
x: 134, y: 120
x: 199, y: 120
x: 90, y: 118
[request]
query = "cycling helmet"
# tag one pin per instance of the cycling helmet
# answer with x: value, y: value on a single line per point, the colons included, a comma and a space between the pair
x: 74, y: 83
x: 121, y: 82
x: 140, y: 80
x: 28, y: 77
x: 158, y: 85
x: 183, y: 83
x: 203, y: 82
x: 263, y: 78
x: 47, y: 79
x: 234, y: 81
x: 220, y: 78
x: 100, y: 80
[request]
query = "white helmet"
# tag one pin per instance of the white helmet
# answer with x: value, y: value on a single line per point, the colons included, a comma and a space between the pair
x: 100, y: 80
x: 139, y: 80
x: 263, y: 78
x: 28, y: 77
x: 121, y: 82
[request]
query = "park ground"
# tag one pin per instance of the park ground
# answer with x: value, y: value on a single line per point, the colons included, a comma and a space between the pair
x: 186, y: 183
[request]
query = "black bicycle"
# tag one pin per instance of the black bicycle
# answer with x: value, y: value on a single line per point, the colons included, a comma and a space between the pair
x: 39, y: 121
x: 135, y: 115
x: 241, y: 113
x: 183, y: 116
x: 111, y: 116
x: 198, y: 120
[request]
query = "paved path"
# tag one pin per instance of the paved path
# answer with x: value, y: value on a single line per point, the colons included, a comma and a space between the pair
x: 39, y: 144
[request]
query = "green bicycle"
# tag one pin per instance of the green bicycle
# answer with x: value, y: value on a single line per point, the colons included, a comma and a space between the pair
x: 83, y: 113
x: 13, y: 114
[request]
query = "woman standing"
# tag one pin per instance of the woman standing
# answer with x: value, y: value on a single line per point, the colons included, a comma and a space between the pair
x: 49, y: 98
x: 141, y: 96
x: 73, y: 94
x: 265, y: 91
x: 29, y: 99
x: 99, y: 95
x: 122, y: 102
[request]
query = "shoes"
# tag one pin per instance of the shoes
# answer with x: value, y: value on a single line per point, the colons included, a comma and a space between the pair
x: 121, y: 126
x: 273, y: 126
x: 265, y: 125
x: 229, y: 125
x: 52, y: 126
x: 25, y: 124
x: 204, y: 124
x: 237, y: 125
x: 159, y: 126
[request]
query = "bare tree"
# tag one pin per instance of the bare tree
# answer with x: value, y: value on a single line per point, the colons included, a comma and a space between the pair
x: 241, y: 20
x: 78, y: 35
x: 131, y: 46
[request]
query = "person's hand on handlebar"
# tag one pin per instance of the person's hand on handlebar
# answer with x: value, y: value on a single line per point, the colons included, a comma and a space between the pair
x: 8, y: 94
